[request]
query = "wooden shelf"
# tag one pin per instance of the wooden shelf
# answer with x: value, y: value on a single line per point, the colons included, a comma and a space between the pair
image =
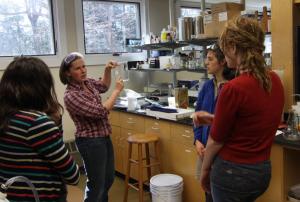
x: 297, y: 1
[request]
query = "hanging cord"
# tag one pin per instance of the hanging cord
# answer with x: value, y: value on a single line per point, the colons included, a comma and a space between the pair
x: 21, y: 179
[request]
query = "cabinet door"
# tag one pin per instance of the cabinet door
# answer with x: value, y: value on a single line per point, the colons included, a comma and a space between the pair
x: 132, y: 122
x: 114, y: 118
x: 115, y: 137
x: 182, y: 134
x: 162, y: 130
x: 183, y: 162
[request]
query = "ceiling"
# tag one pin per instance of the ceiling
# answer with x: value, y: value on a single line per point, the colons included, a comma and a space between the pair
x: 250, y: 4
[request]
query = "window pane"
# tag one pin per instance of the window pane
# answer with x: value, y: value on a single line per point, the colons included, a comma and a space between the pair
x: 26, y: 28
x: 190, y: 12
x: 107, y: 25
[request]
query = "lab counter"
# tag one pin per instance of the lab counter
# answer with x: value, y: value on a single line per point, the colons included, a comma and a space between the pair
x: 179, y: 156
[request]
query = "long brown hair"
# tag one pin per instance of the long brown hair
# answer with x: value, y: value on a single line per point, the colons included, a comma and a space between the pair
x: 246, y: 35
x: 27, y: 84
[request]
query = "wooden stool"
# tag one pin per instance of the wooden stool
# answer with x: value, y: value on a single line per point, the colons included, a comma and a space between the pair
x: 141, y: 139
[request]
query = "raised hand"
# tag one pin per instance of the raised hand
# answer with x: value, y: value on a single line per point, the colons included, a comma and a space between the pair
x: 111, y: 64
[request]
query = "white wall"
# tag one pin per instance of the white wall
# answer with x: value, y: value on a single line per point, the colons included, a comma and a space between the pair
x: 159, y: 16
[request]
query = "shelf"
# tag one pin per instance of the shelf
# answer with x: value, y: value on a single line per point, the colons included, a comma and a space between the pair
x: 203, y: 42
x: 156, y: 46
x: 199, y: 70
x: 174, y: 45
x: 297, y: 1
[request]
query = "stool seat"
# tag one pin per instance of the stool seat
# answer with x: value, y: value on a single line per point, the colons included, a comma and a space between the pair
x: 142, y: 138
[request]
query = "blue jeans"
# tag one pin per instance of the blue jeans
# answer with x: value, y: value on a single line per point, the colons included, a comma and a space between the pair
x: 233, y: 182
x: 98, y: 157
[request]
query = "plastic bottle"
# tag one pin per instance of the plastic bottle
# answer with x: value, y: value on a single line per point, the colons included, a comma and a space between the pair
x: 169, y: 90
x: 163, y: 36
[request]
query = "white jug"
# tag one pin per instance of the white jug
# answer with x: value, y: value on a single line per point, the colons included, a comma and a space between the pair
x: 132, y: 103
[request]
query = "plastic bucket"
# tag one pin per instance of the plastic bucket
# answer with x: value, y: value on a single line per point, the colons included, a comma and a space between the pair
x: 166, y: 188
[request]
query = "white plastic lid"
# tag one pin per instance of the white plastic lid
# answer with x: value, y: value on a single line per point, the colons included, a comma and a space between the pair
x: 165, y: 180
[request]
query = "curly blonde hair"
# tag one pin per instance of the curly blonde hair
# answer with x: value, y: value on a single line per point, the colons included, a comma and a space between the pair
x: 246, y: 35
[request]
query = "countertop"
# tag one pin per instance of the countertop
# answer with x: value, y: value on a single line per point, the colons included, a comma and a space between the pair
x: 279, y: 139
x: 186, y: 121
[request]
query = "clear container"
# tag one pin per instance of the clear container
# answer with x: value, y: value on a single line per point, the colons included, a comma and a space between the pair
x: 292, y: 131
x: 122, y: 71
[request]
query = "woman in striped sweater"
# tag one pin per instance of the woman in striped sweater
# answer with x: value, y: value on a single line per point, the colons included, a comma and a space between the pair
x: 31, y: 143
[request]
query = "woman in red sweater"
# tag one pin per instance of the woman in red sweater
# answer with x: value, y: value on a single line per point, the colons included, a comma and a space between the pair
x: 237, y: 163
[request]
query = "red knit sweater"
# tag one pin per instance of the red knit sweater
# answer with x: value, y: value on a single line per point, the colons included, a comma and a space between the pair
x: 246, y: 119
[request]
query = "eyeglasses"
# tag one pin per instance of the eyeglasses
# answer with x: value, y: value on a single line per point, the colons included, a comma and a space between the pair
x: 72, y: 57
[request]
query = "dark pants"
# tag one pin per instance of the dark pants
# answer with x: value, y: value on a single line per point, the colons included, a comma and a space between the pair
x: 232, y: 182
x: 208, y: 197
x: 98, y: 157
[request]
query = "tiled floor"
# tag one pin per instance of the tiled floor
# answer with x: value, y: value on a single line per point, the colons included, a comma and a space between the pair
x: 116, y: 192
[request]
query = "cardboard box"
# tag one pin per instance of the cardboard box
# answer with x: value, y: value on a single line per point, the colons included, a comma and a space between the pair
x: 209, y: 26
x: 221, y: 14
x: 226, y: 7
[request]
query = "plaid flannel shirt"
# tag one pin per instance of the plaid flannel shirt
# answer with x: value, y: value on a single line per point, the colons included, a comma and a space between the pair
x: 86, y: 110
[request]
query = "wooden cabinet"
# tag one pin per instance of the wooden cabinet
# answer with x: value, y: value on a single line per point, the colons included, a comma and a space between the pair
x: 178, y: 155
x: 183, y: 134
x: 177, y: 152
x: 114, y: 118
x: 133, y: 122
x: 183, y: 160
x: 123, y: 125
x: 162, y: 130
x: 117, y: 140
x: 275, y: 191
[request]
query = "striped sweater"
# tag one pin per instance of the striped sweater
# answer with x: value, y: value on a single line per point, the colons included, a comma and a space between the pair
x: 33, y: 147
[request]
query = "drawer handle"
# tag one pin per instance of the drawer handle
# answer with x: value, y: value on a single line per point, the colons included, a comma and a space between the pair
x: 188, y: 150
x: 155, y: 128
x: 129, y: 133
x: 130, y: 122
x: 187, y: 131
x: 155, y: 123
x: 187, y: 136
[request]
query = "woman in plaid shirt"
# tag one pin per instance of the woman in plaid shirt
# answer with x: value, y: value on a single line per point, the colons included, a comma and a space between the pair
x: 84, y: 104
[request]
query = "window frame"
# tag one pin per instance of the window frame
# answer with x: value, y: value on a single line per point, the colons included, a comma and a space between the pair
x: 102, y: 58
x: 60, y: 42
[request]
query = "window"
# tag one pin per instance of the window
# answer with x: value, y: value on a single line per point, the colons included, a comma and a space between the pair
x: 26, y: 28
x: 107, y: 24
x: 189, y: 12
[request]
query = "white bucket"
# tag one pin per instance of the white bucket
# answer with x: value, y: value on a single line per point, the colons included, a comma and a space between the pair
x: 166, y: 188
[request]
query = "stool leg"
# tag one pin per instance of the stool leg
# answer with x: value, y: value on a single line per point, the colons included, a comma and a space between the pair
x: 148, y: 161
x: 127, y: 172
x: 140, y: 159
x: 157, y: 155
